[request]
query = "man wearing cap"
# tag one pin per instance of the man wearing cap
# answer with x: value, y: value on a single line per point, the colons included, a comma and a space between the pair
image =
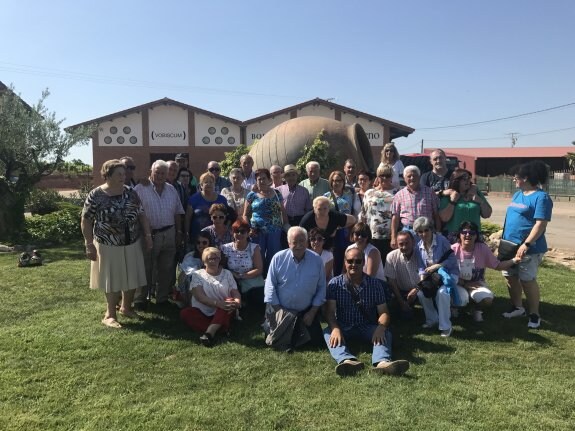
x: 315, y: 185
x: 182, y: 160
x: 221, y: 182
x: 296, y: 199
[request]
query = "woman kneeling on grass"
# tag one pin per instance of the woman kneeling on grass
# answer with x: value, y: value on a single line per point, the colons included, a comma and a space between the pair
x: 473, y: 256
x: 215, y: 297
x: 112, y: 220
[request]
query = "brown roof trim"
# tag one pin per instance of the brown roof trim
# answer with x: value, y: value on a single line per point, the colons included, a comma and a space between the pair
x: 4, y: 87
x: 401, y: 129
x: 164, y: 101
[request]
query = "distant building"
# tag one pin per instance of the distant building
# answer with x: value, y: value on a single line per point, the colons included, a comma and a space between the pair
x: 165, y: 127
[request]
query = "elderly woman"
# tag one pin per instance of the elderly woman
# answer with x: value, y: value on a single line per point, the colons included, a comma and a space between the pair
x: 220, y: 232
x: 473, y: 256
x: 462, y: 202
x: 390, y: 157
x: 436, y: 256
x: 376, y: 211
x: 112, y: 221
x: 266, y: 215
x: 236, y: 194
x: 244, y: 260
x: 198, y: 210
x: 316, y: 242
x: 330, y: 221
x: 372, y: 263
x: 191, y: 262
x: 215, y: 298
x: 525, y: 222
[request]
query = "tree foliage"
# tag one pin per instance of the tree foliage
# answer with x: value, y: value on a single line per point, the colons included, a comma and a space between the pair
x: 232, y: 159
x: 319, y: 151
x: 32, y: 144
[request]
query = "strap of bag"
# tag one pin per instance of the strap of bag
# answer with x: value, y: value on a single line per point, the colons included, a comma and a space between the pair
x: 356, y: 299
x: 333, y: 197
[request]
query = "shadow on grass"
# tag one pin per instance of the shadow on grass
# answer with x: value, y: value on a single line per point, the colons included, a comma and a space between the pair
x: 72, y: 251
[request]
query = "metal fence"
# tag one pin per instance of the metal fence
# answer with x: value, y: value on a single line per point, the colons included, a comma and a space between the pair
x: 564, y: 186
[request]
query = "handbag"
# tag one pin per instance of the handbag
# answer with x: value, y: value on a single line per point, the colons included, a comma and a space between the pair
x: 432, y: 282
x: 507, y: 249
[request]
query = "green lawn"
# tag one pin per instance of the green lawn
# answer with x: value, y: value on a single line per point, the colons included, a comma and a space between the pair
x: 62, y: 370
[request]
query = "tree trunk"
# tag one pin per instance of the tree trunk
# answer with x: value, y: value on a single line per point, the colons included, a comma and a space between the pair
x: 11, y: 213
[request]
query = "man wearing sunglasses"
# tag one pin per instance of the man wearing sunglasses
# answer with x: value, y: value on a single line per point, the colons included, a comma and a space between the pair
x: 356, y: 308
x: 221, y: 182
x: 128, y: 162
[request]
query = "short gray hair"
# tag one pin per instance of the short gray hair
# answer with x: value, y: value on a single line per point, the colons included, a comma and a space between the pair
x: 411, y: 168
x: 310, y: 164
x: 422, y: 223
x: 160, y: 164
x: 294, y: 230
x: 236, y: 171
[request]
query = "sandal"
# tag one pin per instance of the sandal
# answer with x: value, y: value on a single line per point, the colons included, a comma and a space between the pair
x: 110, y: 322
x: 129, y: 314
x: 207, y: 340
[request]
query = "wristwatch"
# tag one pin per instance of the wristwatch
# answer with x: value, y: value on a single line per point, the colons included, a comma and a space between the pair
x: 527, y: 244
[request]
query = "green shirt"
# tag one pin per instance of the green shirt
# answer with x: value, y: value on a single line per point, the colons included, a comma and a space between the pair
x: 463, y: 211
x: 318, y: 189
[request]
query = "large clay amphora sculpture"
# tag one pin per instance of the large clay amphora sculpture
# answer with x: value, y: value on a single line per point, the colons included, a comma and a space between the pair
x: 284, y: 143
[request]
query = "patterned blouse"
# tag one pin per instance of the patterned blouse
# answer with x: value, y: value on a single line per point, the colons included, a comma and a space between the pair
x: 240, y: 261
x: 215, y: 239
x: 266, y: 212
x: 115, y: 218
x: 376, y: 212
x: 346, y: 203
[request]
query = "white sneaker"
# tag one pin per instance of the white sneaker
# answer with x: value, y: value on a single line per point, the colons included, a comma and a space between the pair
x: 446, y: 332
x: 534, y: 321
x: 477, y: 316
x: 514, y: 312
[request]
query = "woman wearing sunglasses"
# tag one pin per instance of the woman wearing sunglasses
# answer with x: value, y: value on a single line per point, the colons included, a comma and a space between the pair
x: 219, y: 231
x: 361, y: 236
x: 191, y: 262
x: 390, y: 157
x: 244, y: 260
x: 462, y: 202
x: 317, y: 240
x: 473, y: 256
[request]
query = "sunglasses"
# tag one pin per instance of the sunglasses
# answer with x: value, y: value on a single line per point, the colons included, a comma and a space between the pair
x: 218, y: 217
x: 214, y: 169
x: 317, y: 239
x: 360, y: 234
x: 131, y: 168
x: 385, y: 177
x: 202, y: 242
x: 423, y: 230
x: 468, y: 232
x: 354, y: 261
x: 241, y: 231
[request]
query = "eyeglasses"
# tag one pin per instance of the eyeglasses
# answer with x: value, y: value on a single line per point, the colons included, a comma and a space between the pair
x: 423, y: 231
x: 336, y: 181
x: 214, y: 169
x: 202, y: 242
x: 131, y: 168
x: 241, y: 231
x: 317, y: 239
x: 360, y: 234
x: 354, y: 261
x: 385, y: 177
x: 218, y: 217
x: 213, y: 258
x: 468, y: 232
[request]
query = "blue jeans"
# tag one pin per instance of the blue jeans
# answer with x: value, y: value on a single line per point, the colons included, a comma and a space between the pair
x: 270, y: 244
x: 364, y: 333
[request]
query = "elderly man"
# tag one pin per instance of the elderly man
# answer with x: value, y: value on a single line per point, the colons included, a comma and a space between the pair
x: 296, y: 199
x: 315, y: 185
x: 164, y: 210
x: 247, y: 163
x: 293, y: 293
x: 402, y: 272
x: 413, y: 201
x: 356, y: 309
x: 173, y: 169
x: 128, y: 162
x: 276, y: 172
x: 438, y: 178
x: 221, y: 182
x: 350, y: 173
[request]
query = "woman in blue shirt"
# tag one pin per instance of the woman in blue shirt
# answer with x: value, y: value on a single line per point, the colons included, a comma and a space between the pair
x: 525, y: 222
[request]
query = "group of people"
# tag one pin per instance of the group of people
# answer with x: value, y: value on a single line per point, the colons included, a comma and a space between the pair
x: 345, y: 250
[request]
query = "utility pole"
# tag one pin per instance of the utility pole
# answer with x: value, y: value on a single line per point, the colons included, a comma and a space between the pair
x: 421, y: 150
x: 513, y: 139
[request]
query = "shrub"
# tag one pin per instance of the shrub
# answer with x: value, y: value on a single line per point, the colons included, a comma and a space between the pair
x: 79, y: 197
x: 232, y: 159
x: 56, y: 227
x: 319, y: 150
x: 489, y: 228
x: 43, y: 201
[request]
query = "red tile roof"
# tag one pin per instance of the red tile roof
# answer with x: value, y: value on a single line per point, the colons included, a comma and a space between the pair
x: 478, y: 153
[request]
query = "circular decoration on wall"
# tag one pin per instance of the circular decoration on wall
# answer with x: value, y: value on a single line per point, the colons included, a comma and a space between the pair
x: 127, y: 130
x: 133, y: 140
x: 212, y: 130
x: 231, y: 140
x: 108, y: 140
x: 120, y: 140
x: 206, y: 140
x: 219, y: 140
x: 225, y: 130
x: 113, y: 130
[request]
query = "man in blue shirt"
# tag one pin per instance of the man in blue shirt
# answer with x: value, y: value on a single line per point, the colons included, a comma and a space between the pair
x: 356, y: 309
x: 293, y: 293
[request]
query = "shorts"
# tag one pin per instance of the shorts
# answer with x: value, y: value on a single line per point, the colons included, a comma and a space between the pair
x: 527, y: 269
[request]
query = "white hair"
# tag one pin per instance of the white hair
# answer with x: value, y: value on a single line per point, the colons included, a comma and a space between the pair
x: 309, y: 165
x: 295, y: 230
x: 411, y: 168
x: 160, y: 164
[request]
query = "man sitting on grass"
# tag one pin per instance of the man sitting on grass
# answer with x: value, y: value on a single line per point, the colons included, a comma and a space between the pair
x: 356, y: 309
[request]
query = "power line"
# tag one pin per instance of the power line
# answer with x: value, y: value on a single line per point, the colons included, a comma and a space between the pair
x: 498, y: 119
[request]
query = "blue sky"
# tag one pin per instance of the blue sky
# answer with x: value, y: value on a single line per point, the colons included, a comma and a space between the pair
x: 420, y: 63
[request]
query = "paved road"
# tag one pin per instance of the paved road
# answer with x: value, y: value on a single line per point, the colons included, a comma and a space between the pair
x: 560, y: 231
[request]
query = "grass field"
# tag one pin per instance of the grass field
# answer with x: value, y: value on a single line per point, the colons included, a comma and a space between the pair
x: 60, y: 369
